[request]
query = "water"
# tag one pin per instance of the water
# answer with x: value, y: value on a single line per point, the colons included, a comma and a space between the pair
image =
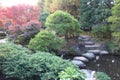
x: 108, y: 64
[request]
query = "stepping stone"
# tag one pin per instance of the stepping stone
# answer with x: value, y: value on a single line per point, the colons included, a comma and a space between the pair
x: 89, y: 56
x: 96, y: 52
x: 104, y: 52
x: 81, y: 59
x: 92, y: 47
x: 89, y: 43
x: 79, y: 63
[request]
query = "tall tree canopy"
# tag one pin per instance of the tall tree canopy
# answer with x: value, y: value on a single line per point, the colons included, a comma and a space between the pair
x: 69, y: 6
x: 93, y: 12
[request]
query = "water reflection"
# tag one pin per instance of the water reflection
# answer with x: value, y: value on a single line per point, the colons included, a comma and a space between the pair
x: 108, y: 64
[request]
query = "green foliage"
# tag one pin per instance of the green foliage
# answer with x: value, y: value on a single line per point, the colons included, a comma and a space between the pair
x: 43, y: 17
x: 46, y: 41
x: 8, y: 50
x: 93, y: 12
x: 102, y: 76
x: 70, y: 6
x: 63, y: 24
x: 38, y: 66
x: 71, y: 73
x: 102, y: 32
x: 115, y: 26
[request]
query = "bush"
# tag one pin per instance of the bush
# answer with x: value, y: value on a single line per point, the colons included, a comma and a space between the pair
x: 8, y: 50
x: 39, y: 66
x: 114, y: 44
x: 46, y: 41
x: 63, y: 24
x: 29, y: 31
x: 71, y: 73
x: 102, y: 32
x: 102, y: 76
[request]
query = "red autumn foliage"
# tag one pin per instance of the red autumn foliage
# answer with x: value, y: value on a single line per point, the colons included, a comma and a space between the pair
x: 19, y: 14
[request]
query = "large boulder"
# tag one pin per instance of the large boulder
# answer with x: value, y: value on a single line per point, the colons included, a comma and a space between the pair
x: 79, y: 63
x: 89, y: 56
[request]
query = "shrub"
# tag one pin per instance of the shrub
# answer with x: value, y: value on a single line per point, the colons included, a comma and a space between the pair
x: 43, y: 17
x: 39, y: 66
x: 46, y: 41
x: 63, y: 24
x: 102, y: 32
x: 29, y: 31
x: 102, y: 76
x: 71, y: 73
x: 8, y: 50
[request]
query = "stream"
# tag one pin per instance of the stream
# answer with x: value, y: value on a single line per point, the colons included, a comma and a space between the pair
x: 108, y: 64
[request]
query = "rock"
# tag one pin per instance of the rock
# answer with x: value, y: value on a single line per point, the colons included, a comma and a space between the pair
x: 104, y: 52
x: 90, y: 56
x: 89, y: 74
x: 79, y: 63
x: 96, y: 52
x: 92, y: 47
x: 2, y: 35
x: 81, y: 59
x: 89, y: 43
x: 3, y: 41
x: 77, y: 49
x: 84, y: 38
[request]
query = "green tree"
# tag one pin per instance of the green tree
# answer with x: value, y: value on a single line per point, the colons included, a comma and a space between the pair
x: 46, y: 41
x: 63, y: 24
x: 93, y: 12
x: 69, y: 6
x: 115, y: 26
x: 43, y: 17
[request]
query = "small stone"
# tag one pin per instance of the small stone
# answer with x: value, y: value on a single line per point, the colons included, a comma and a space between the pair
x: 81, y: 59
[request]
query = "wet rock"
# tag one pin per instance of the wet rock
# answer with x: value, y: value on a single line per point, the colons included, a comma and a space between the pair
x: 104, y: 52
x: 77, y: 49
x: 89, y: 74
x: 79, y: 63
x: 96, y: 52
x: 89, y: 56
x: 81, y: 59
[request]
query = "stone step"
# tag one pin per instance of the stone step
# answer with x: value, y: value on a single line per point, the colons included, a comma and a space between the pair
x: 89, y: 43
x: 81, y: 58
x: 92, y: 47
x: 84, y: 38
x: 89, y: 56
x: 96, y: 52
x: 103, y: 52
x: 79, y: 63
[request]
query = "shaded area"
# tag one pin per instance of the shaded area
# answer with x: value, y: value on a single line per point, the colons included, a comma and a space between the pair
x: 108, y: 64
